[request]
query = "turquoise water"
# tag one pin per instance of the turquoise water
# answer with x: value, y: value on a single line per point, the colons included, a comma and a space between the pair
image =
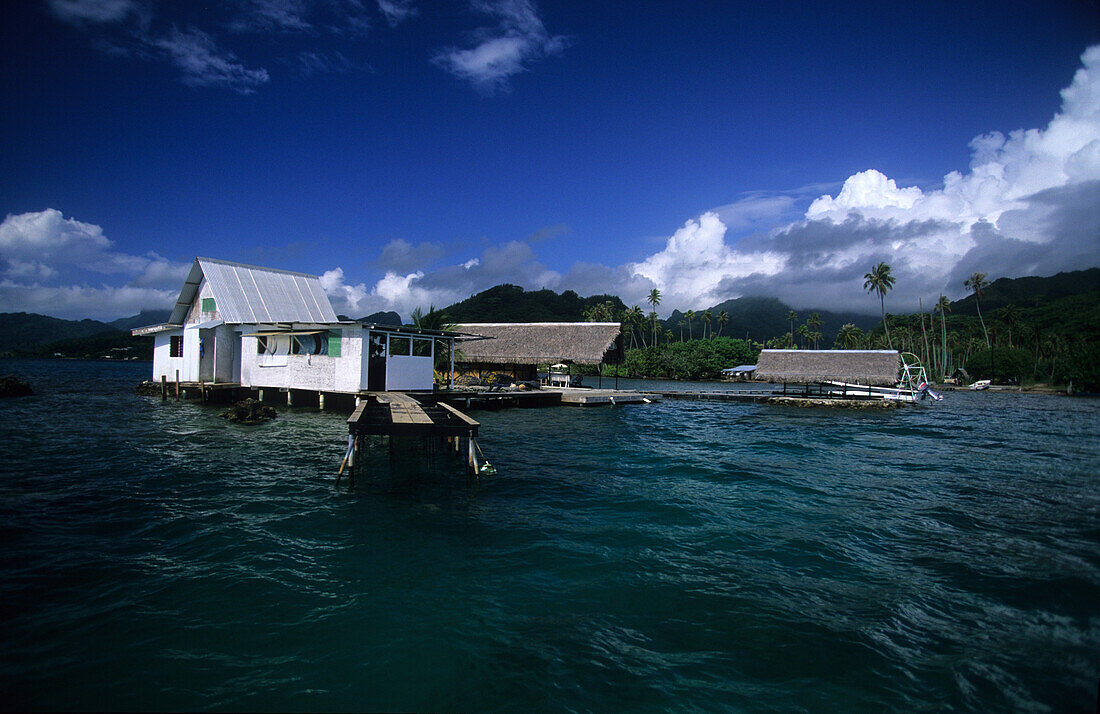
x: 676, y: 556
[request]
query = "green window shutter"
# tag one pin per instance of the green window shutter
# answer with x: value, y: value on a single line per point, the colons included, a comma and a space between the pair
x: 334, y: 343
x: 208, y: 305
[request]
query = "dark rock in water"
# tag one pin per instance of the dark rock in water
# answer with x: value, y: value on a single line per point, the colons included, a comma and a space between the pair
x: 249, y: 411
x: 12, y: 386
x: 148, y: 388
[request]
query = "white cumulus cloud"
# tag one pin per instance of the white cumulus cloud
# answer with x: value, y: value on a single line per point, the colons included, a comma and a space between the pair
x: 57, y: 266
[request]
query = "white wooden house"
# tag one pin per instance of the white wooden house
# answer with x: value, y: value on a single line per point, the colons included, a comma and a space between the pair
x: 266, y: 328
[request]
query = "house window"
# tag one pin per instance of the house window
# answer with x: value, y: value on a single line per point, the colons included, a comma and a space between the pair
x: 208, y: 305
x: 399, y: 346
x: 261, y: 345
x: 175, y: 347
x: 315, y: 344
x: 422, y: 347
x: 334, y: 343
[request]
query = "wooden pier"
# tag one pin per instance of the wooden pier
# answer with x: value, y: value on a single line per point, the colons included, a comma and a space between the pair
x: 751, y: 397
x: 412, y: 424
x: 605, y: 397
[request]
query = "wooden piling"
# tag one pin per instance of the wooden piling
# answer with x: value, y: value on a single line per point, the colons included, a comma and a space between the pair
x: 164, y: 387
x: 177, y: 385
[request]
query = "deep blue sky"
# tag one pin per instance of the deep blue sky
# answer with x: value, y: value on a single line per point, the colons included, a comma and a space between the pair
x: 625, y: 121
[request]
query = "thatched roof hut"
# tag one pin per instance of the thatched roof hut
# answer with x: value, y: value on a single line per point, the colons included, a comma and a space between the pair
x: 531, y: 343
x: 874, y: 368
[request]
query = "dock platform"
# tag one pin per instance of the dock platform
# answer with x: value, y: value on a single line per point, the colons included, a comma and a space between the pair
x: 401, y: 414
x: 750, y: 397
x: 596, y: 397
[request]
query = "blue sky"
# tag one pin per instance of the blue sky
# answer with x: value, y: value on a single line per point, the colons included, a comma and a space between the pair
x: 414, y: 153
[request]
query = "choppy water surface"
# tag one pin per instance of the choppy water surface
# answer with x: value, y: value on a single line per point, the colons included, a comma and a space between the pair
x: 682, y: 555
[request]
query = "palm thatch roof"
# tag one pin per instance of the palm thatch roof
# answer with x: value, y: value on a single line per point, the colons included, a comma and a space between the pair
x: 875, y: 368
x: 537, y: 342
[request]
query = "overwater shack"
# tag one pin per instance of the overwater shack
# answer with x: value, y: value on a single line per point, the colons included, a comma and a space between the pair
x: 518, y: 348
x: 868, y: 374
x: 244, y: 326
x: 875, y: 368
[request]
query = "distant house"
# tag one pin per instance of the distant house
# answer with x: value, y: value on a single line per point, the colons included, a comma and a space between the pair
x: 875, y: 368
x: 261, y: 327
x: 740, y: 372
x: 518, y: 348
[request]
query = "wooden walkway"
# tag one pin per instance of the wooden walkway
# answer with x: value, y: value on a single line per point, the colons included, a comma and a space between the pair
x: 400, y: 414
x: 612, y: 397
x: 718, y: 396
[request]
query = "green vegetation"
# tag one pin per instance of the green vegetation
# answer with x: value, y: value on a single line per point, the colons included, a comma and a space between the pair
x: 1051, y: 336
x: 694, y: 359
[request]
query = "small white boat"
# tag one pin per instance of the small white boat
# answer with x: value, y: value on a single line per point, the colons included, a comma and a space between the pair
x: 980, y: 385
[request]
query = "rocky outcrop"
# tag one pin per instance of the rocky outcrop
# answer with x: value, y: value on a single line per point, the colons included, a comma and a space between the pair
x: 835, y: 403
x: 148, y: 388
x: 249, y: 411
x: 12, y: 386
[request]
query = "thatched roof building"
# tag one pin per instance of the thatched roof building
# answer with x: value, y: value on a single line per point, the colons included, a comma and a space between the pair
x: 875, y: 368
x: 532, y: 343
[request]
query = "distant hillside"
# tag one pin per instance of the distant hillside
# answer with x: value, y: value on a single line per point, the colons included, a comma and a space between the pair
x: 142, y: 319
x: 383, y: 318
x: 511, y: 303
x: 25, y: 331
x: 1031, y: 291
x: 762, y: 318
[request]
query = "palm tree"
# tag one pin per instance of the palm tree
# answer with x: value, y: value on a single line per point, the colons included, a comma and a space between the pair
x: 706, y: 323
x: 682, y: 323
x: 880, y: 281
x: 791, y: 317
x: 723, y: 318
x: 690, y: 315
x: 977, y: 284
x: 814, y: 323
x: 654, y: 299
x: 944, y: 306
x: 849, y: 336
x: 804, y: 333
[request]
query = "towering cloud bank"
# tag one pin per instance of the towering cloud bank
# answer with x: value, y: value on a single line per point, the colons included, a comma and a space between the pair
x: 1030, y: 203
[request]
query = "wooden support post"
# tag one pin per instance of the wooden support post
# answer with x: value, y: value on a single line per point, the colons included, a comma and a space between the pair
x: 177, y: 385
x: 289, y: 398
x: 321, y: 401
x: 260, y: 394
x: 164, y: 387
x: 202, y: 391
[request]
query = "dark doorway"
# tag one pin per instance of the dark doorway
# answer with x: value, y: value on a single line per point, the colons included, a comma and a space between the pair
x: 376, y: 363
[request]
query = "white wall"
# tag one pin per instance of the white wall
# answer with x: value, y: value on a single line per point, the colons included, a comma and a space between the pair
x: 313, y: 372
x: 163, y: 365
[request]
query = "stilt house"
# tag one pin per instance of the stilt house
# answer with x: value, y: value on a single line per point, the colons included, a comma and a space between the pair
x: 266, y: 328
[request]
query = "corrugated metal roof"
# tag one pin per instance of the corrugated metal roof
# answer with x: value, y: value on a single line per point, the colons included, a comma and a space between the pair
x: 250, y: 294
